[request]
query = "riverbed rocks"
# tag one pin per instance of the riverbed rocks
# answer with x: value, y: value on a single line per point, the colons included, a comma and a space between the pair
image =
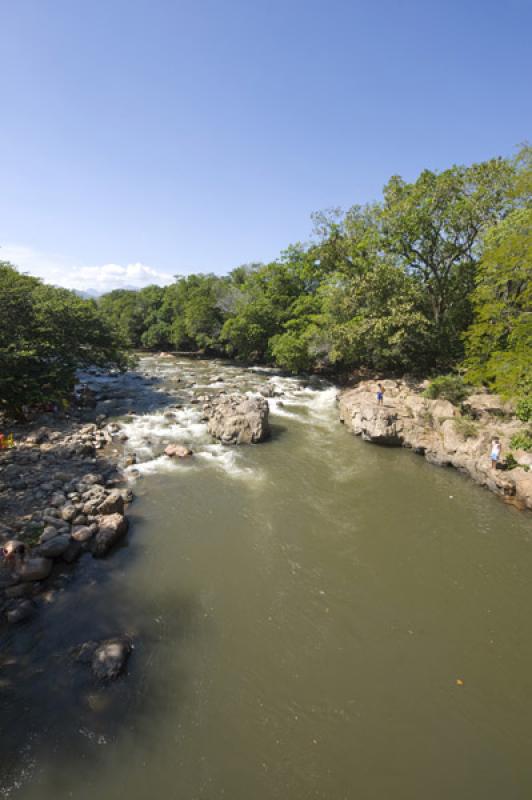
x: 238, y: 418
x: 55, y: 493
x: 447, y: 435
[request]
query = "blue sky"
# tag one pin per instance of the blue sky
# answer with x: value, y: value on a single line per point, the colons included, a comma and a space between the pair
x: 144, y: 138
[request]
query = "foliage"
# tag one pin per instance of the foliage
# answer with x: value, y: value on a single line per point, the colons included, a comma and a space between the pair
x: 499, y: 342
x: 522, y: 441
x: 433, y: 227
x: 447, y: 387
x: 524, y: 409
x: 45, y: 335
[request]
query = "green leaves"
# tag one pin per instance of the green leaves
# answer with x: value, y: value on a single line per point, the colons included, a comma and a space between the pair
x: 45, y: 335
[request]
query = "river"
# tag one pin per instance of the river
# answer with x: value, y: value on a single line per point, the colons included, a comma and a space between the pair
x: 313, y: 617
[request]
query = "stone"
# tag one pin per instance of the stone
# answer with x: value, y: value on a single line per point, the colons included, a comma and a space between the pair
x: 177, y: 451
x: 35, y: 568
x: 69, y: 512
x: 238, y: 419
x: 110, y: 658
x: 55, y: 547
x: 72, y: 552
x: 48, y: 533
x: 20, y: 611
x: 20, y: 590
x: 113, y: 504
x: 82, y: 533
x: 111, y: 528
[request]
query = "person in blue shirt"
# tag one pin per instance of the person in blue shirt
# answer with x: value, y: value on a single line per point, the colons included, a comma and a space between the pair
x: 380, y: 393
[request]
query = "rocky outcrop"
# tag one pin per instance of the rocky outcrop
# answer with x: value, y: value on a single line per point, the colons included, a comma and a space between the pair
x: 440, y: 431
x: 238, y: 418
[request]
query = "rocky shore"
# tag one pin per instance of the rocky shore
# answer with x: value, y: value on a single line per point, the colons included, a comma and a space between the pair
x: 61, y: 496
x: 446, y: 434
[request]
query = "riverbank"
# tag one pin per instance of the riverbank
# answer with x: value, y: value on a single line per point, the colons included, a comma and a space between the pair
x: 447, y: 435
x: 62, y: 494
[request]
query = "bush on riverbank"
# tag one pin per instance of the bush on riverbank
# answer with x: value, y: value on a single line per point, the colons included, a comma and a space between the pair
x: 45, y: 335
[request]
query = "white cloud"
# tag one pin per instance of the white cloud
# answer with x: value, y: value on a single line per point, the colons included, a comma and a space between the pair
x: 57, y: 270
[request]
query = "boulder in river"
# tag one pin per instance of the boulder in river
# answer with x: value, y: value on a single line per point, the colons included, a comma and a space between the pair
x: 111, y: 528
x: 110, y: 658
x: 177, y: 451
x: 107, y: 658
x: 238, y: 419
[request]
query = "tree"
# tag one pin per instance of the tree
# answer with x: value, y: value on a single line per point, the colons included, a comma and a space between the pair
x: 46, y: 334
x: 499, y: 342
x: 434, y: 226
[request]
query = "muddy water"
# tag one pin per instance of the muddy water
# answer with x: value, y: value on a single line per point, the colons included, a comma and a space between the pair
x: 302, y: 611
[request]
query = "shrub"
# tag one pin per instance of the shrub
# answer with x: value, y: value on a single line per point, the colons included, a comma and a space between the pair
x: 447, y: 387
x: 465, y: 427
x: 524, y: 409
x: 522, y: 441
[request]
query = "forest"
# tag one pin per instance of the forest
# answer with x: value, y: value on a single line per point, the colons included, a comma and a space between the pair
x: 433, y: 279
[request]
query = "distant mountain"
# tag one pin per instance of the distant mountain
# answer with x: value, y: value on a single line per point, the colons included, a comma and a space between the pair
x: 89, y: 294
x: 93, y: 294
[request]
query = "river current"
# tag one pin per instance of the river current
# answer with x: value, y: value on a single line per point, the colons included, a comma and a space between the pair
x: 313, y: 617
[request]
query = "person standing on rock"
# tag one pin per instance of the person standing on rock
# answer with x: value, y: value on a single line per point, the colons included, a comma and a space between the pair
x: 495, y: 452
x: 380, y: 393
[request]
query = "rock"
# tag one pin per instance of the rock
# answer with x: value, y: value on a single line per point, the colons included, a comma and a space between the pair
x: 49, y: 533
x: 92, y: 478
x: 438, y: 430
x: 110, y: 658
x: 20, y: 590
x: 82, y: 533
x: 113, y: 504
x: 35, y: 568
x: 72, y: 552
x: 23, y: 609
x: 55, y: 547
x: 57, y: 500
x: 38, y: 437
x: 69, y: 512
x: 177, y: 451
x: 238, y: 419
x: 111, y: 528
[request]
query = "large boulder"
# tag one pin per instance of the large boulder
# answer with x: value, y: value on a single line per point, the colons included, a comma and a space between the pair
x: 238, y: 419
x: 111, y: 528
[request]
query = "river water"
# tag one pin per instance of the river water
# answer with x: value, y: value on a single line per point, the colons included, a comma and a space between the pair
x: 313, y: 617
